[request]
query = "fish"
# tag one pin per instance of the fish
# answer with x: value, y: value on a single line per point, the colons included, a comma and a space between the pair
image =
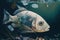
x: 26, y: 20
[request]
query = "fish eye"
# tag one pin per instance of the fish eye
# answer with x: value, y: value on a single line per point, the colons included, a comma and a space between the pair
x: 41, y: 23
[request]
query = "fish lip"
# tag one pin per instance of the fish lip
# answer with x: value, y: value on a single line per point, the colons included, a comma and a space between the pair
x: 47, y: 29
x: 36, y: 30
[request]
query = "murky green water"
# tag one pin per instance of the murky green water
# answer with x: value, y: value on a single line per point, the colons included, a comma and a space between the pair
x: 51, y: 13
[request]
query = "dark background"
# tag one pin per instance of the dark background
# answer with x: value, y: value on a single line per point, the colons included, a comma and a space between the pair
x: 51, y: 14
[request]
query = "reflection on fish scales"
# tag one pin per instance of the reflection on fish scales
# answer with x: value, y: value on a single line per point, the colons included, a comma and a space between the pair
x: 29, y: 20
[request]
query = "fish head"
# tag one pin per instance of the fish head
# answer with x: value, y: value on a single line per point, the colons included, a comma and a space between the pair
x: 40, y: 24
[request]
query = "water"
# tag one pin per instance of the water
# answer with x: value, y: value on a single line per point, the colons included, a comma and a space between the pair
x: 51, y: 14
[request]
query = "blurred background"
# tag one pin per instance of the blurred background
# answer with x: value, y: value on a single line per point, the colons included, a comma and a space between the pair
x: 48, y: 9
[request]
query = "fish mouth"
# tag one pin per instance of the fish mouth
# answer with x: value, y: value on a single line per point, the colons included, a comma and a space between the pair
x: 47, y: 29
x: 42, y: 30
x: 36, y: 30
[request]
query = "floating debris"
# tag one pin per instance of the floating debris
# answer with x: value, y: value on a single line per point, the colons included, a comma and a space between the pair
x: 34, y: 5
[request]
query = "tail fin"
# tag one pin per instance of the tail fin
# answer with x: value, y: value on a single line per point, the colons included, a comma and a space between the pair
x: 7, y: 16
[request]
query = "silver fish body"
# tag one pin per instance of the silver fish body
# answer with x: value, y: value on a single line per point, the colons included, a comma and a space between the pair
x: 28, y: 21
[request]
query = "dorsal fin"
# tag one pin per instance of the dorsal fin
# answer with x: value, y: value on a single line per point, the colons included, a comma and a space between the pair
x: 20, y: 9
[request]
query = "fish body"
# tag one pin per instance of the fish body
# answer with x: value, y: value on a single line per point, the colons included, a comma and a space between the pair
x: 27, y: 20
